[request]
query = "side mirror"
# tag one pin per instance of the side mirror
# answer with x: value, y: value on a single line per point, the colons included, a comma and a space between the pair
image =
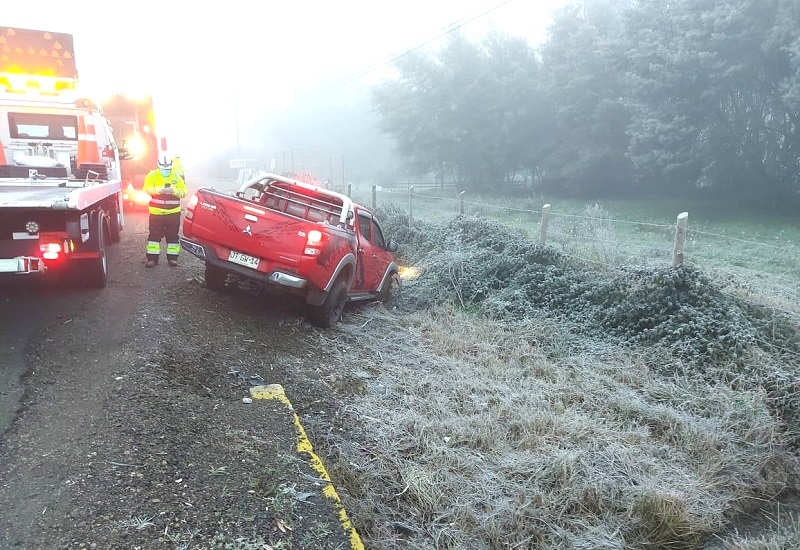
x: 391, y: 246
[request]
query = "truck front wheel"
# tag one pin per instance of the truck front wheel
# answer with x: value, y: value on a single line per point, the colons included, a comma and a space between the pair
x: 329, y: 312
x: 390, y: 292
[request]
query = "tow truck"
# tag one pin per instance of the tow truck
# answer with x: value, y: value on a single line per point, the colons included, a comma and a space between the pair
x: 132, y: 120
x: 60, y: 179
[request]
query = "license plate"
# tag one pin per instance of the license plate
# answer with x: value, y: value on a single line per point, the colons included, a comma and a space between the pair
x: 243, y: 259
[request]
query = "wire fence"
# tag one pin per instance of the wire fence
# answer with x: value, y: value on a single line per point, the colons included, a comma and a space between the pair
x: 762, y: 270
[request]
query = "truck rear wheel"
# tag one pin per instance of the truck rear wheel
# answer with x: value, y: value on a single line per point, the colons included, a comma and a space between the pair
x: 215, y: 277
x: 95, y: 270
x: 328, y: 313
x: 116, y: 222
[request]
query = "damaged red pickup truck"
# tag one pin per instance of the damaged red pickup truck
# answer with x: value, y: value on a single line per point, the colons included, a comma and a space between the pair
x: 292, y: 236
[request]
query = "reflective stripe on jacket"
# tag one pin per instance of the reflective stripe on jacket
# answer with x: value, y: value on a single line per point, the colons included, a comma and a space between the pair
x: 164, y: 203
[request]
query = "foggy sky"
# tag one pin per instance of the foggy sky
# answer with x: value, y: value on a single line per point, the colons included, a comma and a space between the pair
x: 213, y: 70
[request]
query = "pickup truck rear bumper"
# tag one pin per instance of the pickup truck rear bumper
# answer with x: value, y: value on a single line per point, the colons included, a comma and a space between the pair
x: 209, y: 255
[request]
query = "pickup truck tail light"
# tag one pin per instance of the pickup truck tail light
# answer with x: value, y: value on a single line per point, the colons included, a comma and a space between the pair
x: 315, y: 241
x: 190, y: 206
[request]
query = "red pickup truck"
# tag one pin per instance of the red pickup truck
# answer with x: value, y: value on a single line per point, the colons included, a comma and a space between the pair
x: 289, y: 235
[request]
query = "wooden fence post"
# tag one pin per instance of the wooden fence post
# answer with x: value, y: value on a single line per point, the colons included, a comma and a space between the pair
x: 374, y: 197
x: 461, y: 202
x: 680, y: 239
x: 410, y: 204
x: 543, y: 224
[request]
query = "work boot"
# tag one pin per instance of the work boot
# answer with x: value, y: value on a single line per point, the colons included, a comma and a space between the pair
x: 150, y: 263
x: 172, y: 263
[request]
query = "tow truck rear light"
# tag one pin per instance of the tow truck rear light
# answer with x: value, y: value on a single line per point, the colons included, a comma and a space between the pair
x: 315, y: 240
x: 53, y: 250
x: 50, y: 251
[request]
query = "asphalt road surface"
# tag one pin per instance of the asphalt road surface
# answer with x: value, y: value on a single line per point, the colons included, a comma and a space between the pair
x: 29, y: 307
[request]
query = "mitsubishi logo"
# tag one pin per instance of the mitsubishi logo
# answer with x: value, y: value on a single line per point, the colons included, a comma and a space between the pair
x: 247, y: 231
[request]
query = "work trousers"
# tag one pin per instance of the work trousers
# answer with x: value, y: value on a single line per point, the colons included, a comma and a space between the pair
x: 164, y: 227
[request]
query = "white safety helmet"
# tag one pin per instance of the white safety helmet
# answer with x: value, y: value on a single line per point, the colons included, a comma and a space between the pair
x: 165, y: 161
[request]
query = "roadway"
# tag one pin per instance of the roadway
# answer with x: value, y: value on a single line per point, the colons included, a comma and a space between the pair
x: 29, y: 306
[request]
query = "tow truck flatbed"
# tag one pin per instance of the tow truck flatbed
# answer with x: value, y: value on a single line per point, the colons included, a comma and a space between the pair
x: 60, y: 194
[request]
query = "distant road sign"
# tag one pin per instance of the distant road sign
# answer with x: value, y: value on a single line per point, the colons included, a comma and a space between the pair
x: 238, y: 163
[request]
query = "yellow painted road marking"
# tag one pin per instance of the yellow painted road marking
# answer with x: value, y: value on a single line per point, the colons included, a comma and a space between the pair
x: 275, y: 391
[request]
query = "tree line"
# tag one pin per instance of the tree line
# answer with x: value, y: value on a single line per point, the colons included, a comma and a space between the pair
x: 624, y: 96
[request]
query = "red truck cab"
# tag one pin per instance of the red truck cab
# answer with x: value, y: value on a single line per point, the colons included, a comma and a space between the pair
x: 292, y: 236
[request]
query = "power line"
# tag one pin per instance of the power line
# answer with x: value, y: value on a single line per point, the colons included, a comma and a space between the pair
x: 402, y: 53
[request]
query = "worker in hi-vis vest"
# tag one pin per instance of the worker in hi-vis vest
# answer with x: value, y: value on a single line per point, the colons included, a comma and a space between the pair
x: 166, y: 188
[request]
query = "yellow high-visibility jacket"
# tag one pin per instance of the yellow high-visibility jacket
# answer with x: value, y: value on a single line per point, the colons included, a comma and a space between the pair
x: 177, y: 166
x: 162, y: 203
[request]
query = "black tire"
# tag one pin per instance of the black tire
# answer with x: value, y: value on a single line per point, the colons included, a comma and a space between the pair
x: 95, y: 270
x: 215, y: 277
x: 389, y: 295
x: 116, y: 222
x: 330, y: 311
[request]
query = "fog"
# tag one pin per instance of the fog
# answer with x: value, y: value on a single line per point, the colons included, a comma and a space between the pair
x: 234, y: 80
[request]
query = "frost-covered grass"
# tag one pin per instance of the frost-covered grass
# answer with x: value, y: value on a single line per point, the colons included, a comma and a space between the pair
x: 484, y: 434
x: 524, y: 398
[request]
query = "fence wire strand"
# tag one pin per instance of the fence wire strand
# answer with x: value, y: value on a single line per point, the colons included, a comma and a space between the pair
x: 598, y: 240
x: 610, y: 220
x: 736, y: 239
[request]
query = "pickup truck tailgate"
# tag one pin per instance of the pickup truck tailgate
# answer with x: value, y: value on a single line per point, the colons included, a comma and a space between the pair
x: 245, y: 227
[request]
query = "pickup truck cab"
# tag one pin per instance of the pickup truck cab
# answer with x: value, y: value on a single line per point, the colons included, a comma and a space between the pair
x: 295, y: 237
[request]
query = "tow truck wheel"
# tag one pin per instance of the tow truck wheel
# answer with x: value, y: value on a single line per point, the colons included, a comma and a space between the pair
x: 215, y: 277
x: 327, y: 314
x: 95, y: 270
x: 116, y: 223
